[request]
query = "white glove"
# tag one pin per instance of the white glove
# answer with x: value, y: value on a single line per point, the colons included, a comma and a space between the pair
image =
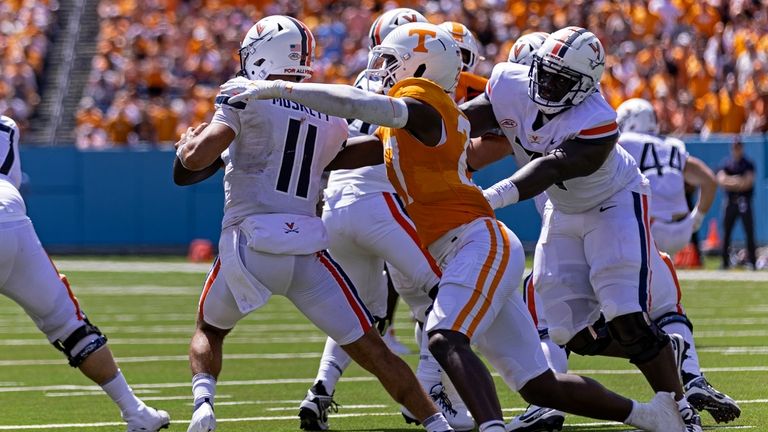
x: 241, y: 89
x: 698, y: 218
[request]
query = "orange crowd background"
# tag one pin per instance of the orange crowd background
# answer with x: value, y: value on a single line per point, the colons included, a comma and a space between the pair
x: 703, y: 63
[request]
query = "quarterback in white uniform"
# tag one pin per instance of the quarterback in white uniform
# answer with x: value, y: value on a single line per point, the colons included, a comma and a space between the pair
x: 272, y: 242
x: 368, y: 226
x: 29, y: 278
x: 563, y: 133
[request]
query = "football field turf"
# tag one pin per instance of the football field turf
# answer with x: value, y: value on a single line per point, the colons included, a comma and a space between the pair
x: 147, y: 309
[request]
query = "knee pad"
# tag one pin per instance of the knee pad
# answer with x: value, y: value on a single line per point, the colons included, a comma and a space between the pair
x: 640, y: 338
x: 673, y: 317
x: 83, y: 342
x: 590, y: 341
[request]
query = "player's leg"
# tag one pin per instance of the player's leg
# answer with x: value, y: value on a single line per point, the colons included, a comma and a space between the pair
x: 485, y: 265
x: 217, y: 314
x: 31, y: 280
x: 621, y: 275
x: 668, y: 313
x: 749, y: 231
x: 323, y: 292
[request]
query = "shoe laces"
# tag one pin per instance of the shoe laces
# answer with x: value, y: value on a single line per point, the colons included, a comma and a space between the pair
x: 441, y: 398
x: 690, y: 416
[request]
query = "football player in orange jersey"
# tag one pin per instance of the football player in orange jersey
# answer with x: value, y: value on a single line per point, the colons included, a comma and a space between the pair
x: 470, y: 85
x: 424, y: 136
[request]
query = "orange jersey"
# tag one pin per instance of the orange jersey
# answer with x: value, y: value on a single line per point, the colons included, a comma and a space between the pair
x: 469, y: 87
x: 433, y: 181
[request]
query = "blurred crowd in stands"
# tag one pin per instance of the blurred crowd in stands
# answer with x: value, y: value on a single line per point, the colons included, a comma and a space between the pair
x: 26, y: 27
x: 703, y: 63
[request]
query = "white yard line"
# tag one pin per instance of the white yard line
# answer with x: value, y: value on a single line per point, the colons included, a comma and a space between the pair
x: 128, y: 266
x: 169, y: 358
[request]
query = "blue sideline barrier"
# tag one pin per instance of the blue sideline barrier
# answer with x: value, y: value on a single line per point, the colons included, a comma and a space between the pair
x: 125, y: 200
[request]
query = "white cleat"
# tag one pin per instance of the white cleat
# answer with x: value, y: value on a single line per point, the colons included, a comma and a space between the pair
x: 456, y: 414
x: 203, y: 419
x: 659, y: 415
x: 147, y: 419
x: 537, y: 419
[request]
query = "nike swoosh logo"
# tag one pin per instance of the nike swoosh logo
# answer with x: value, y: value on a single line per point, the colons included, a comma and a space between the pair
x: 602, y: 209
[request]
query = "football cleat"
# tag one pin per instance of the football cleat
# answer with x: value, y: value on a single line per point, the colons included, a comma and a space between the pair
x: 537, y: 419
x: 147, y: 419
x: 704, y: 397
x: 691, y: 419
x: 313, y: 410
x: 456, y: 414
x: 203, y: 419
x: 680, y: 349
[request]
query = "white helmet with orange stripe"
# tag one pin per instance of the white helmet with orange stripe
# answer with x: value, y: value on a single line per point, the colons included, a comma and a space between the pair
x: 566, y: 69
x: 277, y: 45
x: 389, y: 21
x: 470, y: 49
x: 526, y: 46
x: 416, y: 50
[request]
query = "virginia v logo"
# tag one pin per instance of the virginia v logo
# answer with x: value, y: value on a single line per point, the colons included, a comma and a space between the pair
x: 290, y: 227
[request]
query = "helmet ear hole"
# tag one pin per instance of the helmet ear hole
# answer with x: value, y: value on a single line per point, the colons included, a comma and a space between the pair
x: 260, y: 61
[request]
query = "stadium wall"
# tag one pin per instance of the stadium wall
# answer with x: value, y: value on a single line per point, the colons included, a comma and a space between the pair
x: 124, y: 201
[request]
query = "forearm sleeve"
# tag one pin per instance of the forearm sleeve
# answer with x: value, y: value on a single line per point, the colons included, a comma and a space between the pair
x: 348, y: 102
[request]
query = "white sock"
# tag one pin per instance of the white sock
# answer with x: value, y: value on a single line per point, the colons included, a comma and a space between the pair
x: 682, y: 403
x: 691, y: 361
x: 428, y: 371
x: 203, y: 389
x: 492, y: 426
x: 122, y: 394
x: 333, y: 363
x: 556, y: 355
x: 437, y: 423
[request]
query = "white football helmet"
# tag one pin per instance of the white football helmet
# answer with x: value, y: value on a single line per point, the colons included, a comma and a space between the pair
x: 526, y: 46
x: 470, y: 49
x: 390, y: 20
x: 277, y: 45
x: 566, y: 69
x: 637, y: 115
x: 416, y: 50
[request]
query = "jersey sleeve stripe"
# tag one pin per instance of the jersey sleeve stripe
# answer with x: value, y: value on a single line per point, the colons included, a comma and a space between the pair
x: 599, y: 131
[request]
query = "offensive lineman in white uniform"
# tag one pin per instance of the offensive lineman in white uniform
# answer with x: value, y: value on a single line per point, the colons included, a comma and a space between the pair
x: 669, y: 167
x: 367, y: 226
x: 563, y: 135
x: 29, y: 278
x: 274, y: 153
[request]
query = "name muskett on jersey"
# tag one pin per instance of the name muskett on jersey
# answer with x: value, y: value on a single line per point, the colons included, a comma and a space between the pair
x: 662, y: 160
x: 277, y: 157
x: 523, y: 124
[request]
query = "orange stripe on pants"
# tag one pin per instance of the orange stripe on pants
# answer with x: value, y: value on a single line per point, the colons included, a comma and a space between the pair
x: 494, y: 283
x: 208, y: 283
x: 465, y: 311
x: 671, y: 267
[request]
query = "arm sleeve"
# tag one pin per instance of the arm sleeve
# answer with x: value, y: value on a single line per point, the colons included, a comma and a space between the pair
x: 349, y: 102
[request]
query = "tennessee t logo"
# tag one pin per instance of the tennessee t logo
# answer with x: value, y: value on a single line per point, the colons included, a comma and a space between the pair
x: 423, y: 33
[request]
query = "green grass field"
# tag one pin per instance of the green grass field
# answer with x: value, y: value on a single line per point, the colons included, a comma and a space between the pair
x: 271, y: 357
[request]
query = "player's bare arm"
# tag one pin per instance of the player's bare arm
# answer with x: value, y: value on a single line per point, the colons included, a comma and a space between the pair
x: 574, y: 158
x: 486, y: 150
x: 198, y: 152
x: 359, y: 152
x: 480, y: 114
x: 698, y: 174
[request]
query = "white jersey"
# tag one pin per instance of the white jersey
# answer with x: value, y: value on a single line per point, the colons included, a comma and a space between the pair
x: 662, y: 160
x: 344, y: 186
x: 12, y: 206
x: 276, y: 161
x: 531, y: 136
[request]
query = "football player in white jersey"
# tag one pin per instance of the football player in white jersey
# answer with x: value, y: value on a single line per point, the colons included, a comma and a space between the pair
x: 367, y: 225
x: 669, y: 168
x: 29, y: 278
x: 272, y: 242
x: 424, y: 137
x: 563, y: 135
